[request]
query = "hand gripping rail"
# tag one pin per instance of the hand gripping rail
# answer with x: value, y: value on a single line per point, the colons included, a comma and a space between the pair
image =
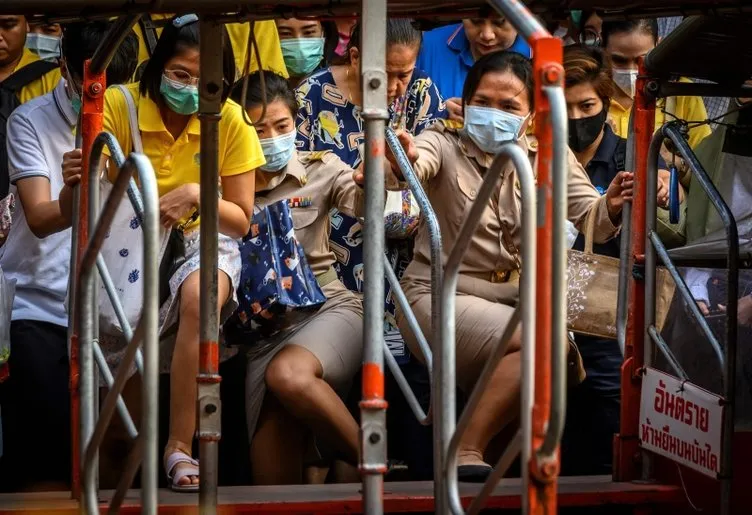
x: 726, y: 354
x: 434, y: 233
x: 93, y: 429
x: 525, y: 312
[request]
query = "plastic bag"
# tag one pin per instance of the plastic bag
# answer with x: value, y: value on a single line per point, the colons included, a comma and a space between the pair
x: 401, y: 215
x: 7, y: 293
x: 6, y: 211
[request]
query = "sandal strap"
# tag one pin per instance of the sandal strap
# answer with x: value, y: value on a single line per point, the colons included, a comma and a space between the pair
x: 177, y: 457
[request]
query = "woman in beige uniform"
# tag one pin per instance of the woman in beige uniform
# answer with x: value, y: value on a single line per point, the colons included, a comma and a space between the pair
x: 451, y: 160
x: 304, y: 366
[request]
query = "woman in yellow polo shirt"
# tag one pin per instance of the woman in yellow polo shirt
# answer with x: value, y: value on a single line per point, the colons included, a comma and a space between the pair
x: 626, y: 42
x: 167, y: 101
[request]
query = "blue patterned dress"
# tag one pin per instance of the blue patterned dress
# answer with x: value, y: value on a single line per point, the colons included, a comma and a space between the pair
x: 328, y: 121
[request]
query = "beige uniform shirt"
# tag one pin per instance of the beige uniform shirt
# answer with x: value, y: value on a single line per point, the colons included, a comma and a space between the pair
x: 452, y: 166
x: 322, y: 179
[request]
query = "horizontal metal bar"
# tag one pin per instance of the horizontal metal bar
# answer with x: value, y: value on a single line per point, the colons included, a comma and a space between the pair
x: 404, y: 304
x: 699, y: 89
x: 666, y: 351
x: 681, y: 285
x: 121, y: 407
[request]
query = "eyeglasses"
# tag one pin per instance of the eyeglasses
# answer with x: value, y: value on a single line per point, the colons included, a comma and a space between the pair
x: 590, y: 37
x: 181, y: 77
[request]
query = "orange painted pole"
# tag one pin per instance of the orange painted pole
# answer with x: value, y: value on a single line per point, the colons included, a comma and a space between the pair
x: 626, y: 450
x: 92, y: 118
x: 547, y: 71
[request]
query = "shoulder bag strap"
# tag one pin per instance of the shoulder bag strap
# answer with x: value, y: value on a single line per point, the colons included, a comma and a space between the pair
x: 132, y: 119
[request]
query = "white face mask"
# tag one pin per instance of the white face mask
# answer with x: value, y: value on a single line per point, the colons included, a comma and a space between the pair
x: 626, y: 79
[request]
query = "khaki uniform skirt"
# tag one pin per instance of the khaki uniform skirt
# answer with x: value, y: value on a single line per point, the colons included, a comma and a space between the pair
x: 334, y: 334
x: 483, y: 311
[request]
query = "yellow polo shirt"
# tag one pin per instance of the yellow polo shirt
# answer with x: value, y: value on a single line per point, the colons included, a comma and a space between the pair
x: 691, y: 109
x: 42, y: 85
x: 177, y: 161
x: 266, y: 37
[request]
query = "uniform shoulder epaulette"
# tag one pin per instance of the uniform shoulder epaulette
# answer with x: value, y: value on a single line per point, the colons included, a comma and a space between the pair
x: 321, y: 156
x: 453, y: 125
x: 532, y: 143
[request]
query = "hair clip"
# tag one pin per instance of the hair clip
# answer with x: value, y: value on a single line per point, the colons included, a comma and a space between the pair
x: 186, y: 19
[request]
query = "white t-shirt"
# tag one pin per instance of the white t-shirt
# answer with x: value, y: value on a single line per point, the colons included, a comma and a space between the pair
x: 39, y: 133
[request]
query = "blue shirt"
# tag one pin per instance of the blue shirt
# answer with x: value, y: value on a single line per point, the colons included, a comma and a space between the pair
x: 446, y: 57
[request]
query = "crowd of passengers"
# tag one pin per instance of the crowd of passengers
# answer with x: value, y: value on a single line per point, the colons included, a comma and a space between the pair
x: 456, y: 94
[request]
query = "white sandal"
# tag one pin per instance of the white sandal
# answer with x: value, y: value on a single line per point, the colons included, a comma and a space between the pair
x: 173, y: 460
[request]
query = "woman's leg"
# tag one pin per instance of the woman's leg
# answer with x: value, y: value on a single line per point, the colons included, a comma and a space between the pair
x: 184, y: 368
x: 295, y: 377
x: 278, y: 446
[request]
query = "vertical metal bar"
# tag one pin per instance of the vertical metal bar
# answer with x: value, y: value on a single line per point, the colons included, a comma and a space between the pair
x: 625, y: 242
x: 373, y: 406
x: 626, y: 442
x: 82, y: 374
x: 209, y: 404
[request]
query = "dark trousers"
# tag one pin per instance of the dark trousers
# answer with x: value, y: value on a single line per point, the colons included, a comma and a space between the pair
x: 593, y: 410
x: 35, y: 402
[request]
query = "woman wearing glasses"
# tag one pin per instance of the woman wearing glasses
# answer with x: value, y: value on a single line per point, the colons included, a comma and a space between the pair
x: 166, y: 101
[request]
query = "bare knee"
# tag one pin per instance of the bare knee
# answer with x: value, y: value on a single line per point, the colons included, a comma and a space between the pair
x: 289, y: 377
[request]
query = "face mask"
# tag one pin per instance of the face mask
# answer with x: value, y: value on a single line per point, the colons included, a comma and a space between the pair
x: 302, y: 55
x: 626, y: 80
x: 181, y: 98
x: 73, y: 95
x: 46, y: 47
x: 278, y: 151
x: 490, y: 128
x: 584, y: 131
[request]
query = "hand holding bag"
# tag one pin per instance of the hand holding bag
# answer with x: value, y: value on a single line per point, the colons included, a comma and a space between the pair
x: 277, y: 287
x: 592, y: 290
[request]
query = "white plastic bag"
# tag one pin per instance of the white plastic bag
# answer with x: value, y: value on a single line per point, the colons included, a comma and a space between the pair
x: 7, y: 293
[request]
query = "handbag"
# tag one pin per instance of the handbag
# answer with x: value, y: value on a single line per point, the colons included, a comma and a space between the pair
x: 592, y: 290
x: 277, y: 287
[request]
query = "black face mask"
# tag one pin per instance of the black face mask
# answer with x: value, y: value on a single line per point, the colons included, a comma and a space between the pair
x: 584, y: 131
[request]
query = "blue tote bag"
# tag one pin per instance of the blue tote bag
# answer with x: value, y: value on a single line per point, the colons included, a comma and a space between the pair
x: 277, y: 287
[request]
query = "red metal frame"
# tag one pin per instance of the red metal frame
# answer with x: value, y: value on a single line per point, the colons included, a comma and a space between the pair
x: 626, y: 452
x: 547, y: 70
x: 92, y: 118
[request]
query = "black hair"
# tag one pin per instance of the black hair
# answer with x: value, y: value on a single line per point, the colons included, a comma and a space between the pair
x: 80, y: 41
x: 399, y: 31
x: 501, y: 62
x: 173, y: 40
x: 275, y: 86
x: 331, y: 40
x: 647, y: 26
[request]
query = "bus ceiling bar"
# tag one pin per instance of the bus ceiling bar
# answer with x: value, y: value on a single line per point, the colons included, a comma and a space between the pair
x: 209, y: 404
x: 373, y: 405
x: 673, y: 132
x: 626, y: 451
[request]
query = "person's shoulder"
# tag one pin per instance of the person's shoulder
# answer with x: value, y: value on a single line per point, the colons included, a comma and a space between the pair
x: 317, y: 160
x: 232, y: 114
x: 441, y: 35
x: 34, y: 106
x: 115, y: 93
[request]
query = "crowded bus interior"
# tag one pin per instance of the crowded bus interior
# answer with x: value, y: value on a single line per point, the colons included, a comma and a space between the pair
x: 376, y: 256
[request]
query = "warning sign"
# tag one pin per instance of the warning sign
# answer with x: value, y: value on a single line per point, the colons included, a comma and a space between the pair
x: 681, y: 421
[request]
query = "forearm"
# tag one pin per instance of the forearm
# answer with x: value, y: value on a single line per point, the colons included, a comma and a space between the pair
x: 47, y: 218
x: 233, y: 221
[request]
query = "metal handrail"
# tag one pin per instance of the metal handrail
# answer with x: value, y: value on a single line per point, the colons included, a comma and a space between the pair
x: 428, y: 216
x: 559, y: 340
x: 622, y: 295
x: 525, y: 311
x: 726, y: 354
x: 91, y: 433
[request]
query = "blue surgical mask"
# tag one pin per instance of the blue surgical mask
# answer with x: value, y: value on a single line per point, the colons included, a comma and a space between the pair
x: 302, y: 55
x: 181, y: 98
x: 46, y: 47
x: 490, y: 128
x: 278, y: 151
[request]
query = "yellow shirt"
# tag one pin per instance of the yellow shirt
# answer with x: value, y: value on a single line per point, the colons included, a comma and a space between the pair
x: 691, y: 109
x: 42, y: 85
x: 176, y: 162
x: 266, y: 37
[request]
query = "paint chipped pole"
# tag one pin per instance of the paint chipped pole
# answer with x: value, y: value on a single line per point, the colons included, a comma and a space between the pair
x: 375, y: 114
x: 209, y: 404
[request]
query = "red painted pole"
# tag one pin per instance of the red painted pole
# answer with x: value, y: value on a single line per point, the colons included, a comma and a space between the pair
x: 626, y: 451
x: 91, y: 125
x: 547, y: 70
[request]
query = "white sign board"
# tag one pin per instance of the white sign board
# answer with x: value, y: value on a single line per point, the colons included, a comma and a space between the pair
x: 681, y: 421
